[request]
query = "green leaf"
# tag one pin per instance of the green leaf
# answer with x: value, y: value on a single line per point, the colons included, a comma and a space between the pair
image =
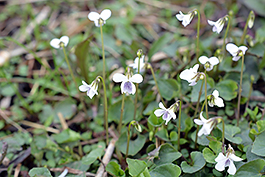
x: 136, y: 167
x: 208, y: 155
x: 198, y: 163
x: 258, y: 145
x: 168, y: 88
x: 8, y: 90
x: 252, y: 168
x: 159, y: 44
x: 215, y: 146
x: 67, y: 107
x: 202, y: 140
x: 168, y: 170
x: 114, y: 169
x: 258, y: 6
x: 155, y: 121
x: 261, y: 127
x: 93, y: 155
x: 39, y: 172
x: 227, y: 89
x: 167, y: 154
x: 67, y: 136
x: 134, y: 145
x: 230, y: 132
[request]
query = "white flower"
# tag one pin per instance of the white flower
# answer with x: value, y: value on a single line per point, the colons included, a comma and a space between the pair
x: 56, y: 43
x: 207, y: 125
x: 216, y: 100
x: 136, y: 64
x: 227, y: 161
x: 127, y: 81
x: 91, y: 89
x: 168, y: 114
x: 104, y: 15
x: 235, y: 51
x: 191, y: 75
x: 218, y: 25
x: 186, y: 19
x: 208, y: 62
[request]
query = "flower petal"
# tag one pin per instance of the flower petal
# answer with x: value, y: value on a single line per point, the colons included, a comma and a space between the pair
x: 232, y: 49
x: 232, y: 168
x: 203, y: 59
x: 220, y: 157
x: 172, y: 114
x: 198, y: 122
x: 236, y: 58
x: 91, y: 93
x: 212, y: 23
x: 215, y: 93
x: 55, y: 43
x: 219, y: 102
x: 137, y: 78
x: 83, y: 88
x: 162, y: 106
x: 202, y: 132
x: 214, y: 60
x: 180, y: 16
x: 202, y: 118
x: 243, y: 49
x: 93, y: 16
x: 65, y: 40
x: 234, y: 158
x: 159, y: 112
x: 118, y: 77
x: 133, y: 88
x: 105, y: 14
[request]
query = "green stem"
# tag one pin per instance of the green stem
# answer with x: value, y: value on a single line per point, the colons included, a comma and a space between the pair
x: 73, y: 77
x: 245, y: 29
x: 198, y: 35
x: 197, y: 128
x: 103, y: 51
x: 136, y: 93
x: 239, y: 91
x: 122, y: 109
x: 128, y: 139
x: 198, y: 102
x: 206, y: 106
x: 226, y: 33
x: 179, y: 126
x: 151, y: 68
x: 223, y: 133
x: 105, y: 110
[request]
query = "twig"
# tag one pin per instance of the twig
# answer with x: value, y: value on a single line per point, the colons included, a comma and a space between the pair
x: 72, y: 170
x: 62, y: 120
x: 2, y: 114
x: 35, y: 125
x: 106, y: 158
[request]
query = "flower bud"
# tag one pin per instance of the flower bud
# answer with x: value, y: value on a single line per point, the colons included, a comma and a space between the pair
x: 4, y: 57
x: 251, y: 19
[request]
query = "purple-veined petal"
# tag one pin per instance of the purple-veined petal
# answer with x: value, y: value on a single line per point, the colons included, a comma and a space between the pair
x: 118, y: 77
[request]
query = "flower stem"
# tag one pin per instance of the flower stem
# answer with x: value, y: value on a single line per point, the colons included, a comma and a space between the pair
x: 223, y: 135
x: 151, y: 68
x: 103, y: 51
x: 198, y: 102
x: 122, y: 109
x: 72, y: 75
x: 226, y: 32
x: 105, y: 110
x: 128, y: 139
x: 179, y: 126
x: 198, y: 35
x: 206, y: 106
x: 197, y: 128
x: 239, y: 91
x: 245, y: 29
x: 135, y: 102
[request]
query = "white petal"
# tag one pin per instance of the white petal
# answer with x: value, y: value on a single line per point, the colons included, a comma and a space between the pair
x: 83, y: 88
x: 133, y: 89
x: 198, y: 122
x: 212, y: 23
x: 91, y: 93
x: 232, y: 168
x: 167, y: 120
x: 196, y: 67
x: 55, y: 43
x: 234, y: 158
x: 220, y: 157
x: 159, y: 112
x: 93, y: 16
x: 214, y: 60
x: 118, y: 77
x: 105, y: 14
x: 243, y: 49
x: 210, y: 103
x: 65, y: 40
x: 220, y: 27
x: 187, y: 75
x: 236, y: 58
x: 202, y: 132
x: 219, y: 102
x: 220, y: 166
x: 173, y: 115
x: 203, y: 59
x: 232, y: 49
x: 193, y: 83
x: 122, y: 87
x: 215, y: 93
x: 162, y: 106
x: 202, y: 118
x: 209, y: 68
x: 137, y: 78
x: 180, y: 16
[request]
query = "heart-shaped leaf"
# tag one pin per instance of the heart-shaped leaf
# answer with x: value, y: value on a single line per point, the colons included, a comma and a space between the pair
x: 198, y: 163
x: 167, y: 154
x: 258, y: 145
x: 251, y: 168
x: 168, y: 170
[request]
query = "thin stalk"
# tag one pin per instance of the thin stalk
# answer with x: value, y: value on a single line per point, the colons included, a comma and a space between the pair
x: 198, y: 34
x: 151, y: 68
x: 223, y: 135
x: 250, y: 91
x: 128, y: 139
x: 105, y: 110
x: 206, y: 106
x: 198, y: 102
x: 73, y: 77
x: 226, y: 33
x: 239, y: 91
x: 179, y: 126
x: 136, y: 92
x: 122, y: 109
x: 197, y: 128
x: 103, y: 51
x: 245, y: 29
